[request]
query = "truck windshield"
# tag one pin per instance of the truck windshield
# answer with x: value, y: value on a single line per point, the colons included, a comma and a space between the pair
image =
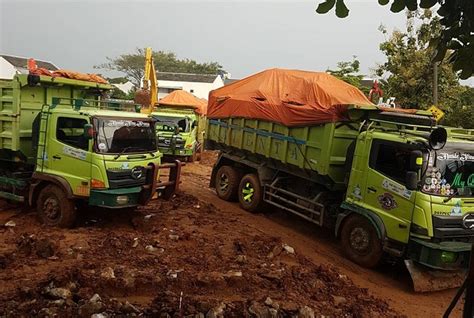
x: 168, y: 123
x: 132, y: 135
x: 450, y: 171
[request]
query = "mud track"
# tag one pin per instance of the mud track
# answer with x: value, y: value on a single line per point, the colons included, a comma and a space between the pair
x: 193, y: 256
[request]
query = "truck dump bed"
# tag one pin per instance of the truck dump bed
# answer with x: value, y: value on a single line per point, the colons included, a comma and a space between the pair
x: 20, y: 103
x: 320, y: 148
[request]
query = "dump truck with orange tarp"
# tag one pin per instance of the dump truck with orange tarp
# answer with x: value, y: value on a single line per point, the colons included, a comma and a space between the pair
x: 388, y: 181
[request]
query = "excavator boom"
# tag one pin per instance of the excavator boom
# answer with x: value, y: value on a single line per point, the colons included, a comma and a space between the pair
x: 147, y: 95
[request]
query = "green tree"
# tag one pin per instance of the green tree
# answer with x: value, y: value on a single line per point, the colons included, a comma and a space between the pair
x: 462, y: 113
x: 455, y: 36
x: 132, y: 65
x: 348, y: 71
x: 409, y: 70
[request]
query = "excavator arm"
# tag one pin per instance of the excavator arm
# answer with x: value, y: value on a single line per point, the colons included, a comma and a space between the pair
x: 150, y: 78
x: 147, y: 95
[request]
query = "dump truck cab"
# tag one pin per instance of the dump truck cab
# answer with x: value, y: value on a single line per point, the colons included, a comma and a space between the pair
x: 177, y: 132
x: 61, y: 147
x: 418, y: 197
x: 106, y: 168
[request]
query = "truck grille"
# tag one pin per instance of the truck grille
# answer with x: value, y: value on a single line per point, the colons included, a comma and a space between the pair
x: 454, y: 227
x: 165, y: 142
x: 123, y: 178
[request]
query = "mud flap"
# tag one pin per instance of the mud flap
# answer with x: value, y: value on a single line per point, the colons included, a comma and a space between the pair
x: 427, y: 280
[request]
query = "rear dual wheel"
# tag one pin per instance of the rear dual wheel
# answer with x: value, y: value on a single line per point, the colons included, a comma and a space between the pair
x: 250, y: 193
x: 227, y: 183
x: 230, y: 185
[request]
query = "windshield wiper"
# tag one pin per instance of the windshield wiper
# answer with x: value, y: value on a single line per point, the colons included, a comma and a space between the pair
x: 450, y: 197
x: 124, y: 150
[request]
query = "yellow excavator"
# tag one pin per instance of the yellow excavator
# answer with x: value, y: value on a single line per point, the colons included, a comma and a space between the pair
x: 147, y: 95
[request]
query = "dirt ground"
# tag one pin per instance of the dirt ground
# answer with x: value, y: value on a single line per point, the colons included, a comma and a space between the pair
x: 193, y: 256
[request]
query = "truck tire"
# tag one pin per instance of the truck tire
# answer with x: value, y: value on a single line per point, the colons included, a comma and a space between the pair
x: 227, y: 183
x: 250, y: 193
x: 54, y: 208
x: 360, y: 241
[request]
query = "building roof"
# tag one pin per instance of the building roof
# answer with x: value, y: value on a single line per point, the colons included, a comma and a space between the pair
x: 22, y: 62
x: 186, y: 77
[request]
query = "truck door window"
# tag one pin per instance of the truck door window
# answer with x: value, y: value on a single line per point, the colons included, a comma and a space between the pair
x: 70, y: 131
x: 391, y: 159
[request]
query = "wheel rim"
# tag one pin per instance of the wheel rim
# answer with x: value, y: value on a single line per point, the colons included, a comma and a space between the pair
x: 223, y: 183
x: 51, y: 208
x: 248, y: 192
x: 360, y: 240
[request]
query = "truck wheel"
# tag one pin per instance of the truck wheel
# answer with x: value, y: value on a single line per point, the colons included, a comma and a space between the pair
x: 360, y: 241
x: 54, y: 208
x: 227, y: 183
x: 250, y: 193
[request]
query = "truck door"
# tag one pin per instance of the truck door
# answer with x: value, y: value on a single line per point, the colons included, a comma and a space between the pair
x: 69, y: 152
x: 386, y: 194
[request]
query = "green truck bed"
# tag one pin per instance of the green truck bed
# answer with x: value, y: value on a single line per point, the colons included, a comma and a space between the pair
x: 321, y: 148
x: 20, y: 103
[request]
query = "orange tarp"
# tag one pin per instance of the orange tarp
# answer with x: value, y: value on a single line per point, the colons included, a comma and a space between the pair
x: 70, y: 74
x: 289, y: 97
x: 184, y: 99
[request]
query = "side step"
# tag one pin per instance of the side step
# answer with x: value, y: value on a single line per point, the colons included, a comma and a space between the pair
x: 310, y: 210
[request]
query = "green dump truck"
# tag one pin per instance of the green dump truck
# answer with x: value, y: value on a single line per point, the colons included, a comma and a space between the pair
x: 60, y: 148
x: 387, y: 183
x: 179, y: 131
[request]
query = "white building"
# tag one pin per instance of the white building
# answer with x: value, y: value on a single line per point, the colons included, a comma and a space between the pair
x: 124, y: 87
x: 197, y: 84
x: 12, y: 65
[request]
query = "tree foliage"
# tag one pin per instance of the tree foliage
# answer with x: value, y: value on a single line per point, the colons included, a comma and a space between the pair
x: 348, y: 71
x: 462, y: 113
x: 408, y: 71
x: 457, y: 26
x: 132, y: 65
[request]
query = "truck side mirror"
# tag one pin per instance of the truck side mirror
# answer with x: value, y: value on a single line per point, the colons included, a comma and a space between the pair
x: 416, y: 160
x: 438, y: 138
x: 88, y: 131
x: 411, y: 180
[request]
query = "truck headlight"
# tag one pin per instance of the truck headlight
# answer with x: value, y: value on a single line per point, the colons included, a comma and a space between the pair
x: 448, y: 257
x: 122, y: 199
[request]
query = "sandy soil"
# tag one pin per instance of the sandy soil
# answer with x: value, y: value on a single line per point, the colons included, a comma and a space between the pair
x: 193, y: 256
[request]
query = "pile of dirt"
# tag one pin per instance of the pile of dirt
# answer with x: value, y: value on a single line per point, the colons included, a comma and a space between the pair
x: 180, y: 258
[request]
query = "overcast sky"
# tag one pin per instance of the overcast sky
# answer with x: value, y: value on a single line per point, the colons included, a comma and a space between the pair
x: 243, y: 36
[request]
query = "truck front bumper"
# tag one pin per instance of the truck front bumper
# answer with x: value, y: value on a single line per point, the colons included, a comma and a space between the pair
x: 115, y: 198
x: 176, y: 152
x: 446, y: 255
